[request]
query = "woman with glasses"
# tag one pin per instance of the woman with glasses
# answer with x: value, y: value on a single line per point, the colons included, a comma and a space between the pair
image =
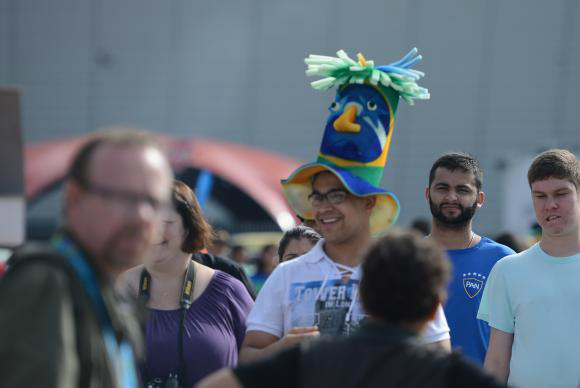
x: 197, y: 315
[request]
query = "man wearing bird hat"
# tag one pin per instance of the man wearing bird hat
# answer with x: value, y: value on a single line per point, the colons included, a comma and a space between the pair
x: 317, y: 293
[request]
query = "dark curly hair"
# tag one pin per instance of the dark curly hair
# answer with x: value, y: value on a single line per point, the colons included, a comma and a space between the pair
x: 404, y: 278
x: 198, y: 232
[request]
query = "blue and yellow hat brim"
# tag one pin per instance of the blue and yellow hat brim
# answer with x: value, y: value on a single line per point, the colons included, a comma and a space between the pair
x: 298, y: 187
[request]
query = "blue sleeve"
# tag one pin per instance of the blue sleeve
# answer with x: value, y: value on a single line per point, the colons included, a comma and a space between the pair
x: 507, y: 251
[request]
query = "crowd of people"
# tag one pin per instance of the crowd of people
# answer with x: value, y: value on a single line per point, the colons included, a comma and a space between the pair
x: 127, y: 295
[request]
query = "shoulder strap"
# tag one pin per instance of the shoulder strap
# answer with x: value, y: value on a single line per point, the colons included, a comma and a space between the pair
x: 228, y: 266
x: 204, y: 258
x: 144, y: 286
x: 187, y: 288
x: 185, y: 302
x: 35, y: 253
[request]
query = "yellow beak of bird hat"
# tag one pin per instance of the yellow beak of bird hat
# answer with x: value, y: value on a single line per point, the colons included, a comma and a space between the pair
x: 358, y: 131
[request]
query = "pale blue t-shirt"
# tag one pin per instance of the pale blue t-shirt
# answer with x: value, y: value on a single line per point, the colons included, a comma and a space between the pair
x: 537, y: 298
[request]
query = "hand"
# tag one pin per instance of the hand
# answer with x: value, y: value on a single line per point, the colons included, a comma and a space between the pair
x: 299, y: 334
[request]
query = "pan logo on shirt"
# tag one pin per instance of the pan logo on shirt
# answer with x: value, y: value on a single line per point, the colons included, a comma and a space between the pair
x: 473, y: 283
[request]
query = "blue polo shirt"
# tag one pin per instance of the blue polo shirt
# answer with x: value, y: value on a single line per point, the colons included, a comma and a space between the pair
x: 471, y: 269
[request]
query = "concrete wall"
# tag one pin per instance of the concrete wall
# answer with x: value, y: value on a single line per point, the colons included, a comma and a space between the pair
x: 500, y: 74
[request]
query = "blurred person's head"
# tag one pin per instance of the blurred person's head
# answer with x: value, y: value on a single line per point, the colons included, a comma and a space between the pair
x: 219, y: 246
x: 509, y: 240
x: 297, y: 241
x: 186, y: 231
x: 404, y: 279
x: 535, y: 233
x: 267, y: 259
x: 421, y: 226
x: 454, y: 191
x: 239, y: 254
x: 117, y: 191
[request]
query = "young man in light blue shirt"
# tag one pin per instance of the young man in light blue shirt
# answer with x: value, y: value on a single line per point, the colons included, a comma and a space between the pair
x: 532, y: 299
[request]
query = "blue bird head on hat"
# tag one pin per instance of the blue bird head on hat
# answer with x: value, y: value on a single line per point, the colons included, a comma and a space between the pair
x: 359, y: 128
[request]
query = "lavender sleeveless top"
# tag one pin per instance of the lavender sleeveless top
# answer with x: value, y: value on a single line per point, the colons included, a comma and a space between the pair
x: 214, y: 329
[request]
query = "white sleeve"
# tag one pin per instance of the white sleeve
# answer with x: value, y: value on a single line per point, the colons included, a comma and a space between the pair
x: 437, y: 329
x: 267, y: 315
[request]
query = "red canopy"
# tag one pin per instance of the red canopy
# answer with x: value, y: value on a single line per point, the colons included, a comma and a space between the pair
x: 255, y: 172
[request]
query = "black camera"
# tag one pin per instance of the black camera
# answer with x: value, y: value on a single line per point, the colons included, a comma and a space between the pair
x: 171, y: 382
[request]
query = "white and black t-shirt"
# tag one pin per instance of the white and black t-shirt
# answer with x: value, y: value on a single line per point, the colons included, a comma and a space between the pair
x: 314, y: 290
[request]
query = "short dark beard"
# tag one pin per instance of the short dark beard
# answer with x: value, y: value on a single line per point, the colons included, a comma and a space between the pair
x: 456, y: 223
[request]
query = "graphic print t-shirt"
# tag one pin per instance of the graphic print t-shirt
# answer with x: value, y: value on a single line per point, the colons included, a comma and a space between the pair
x: 333, y: 303
x: 471, y: 269
x: 313, y: 290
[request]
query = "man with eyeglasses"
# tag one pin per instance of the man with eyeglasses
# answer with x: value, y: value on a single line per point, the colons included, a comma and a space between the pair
x: 404, y: 279
x: 317, y: 293
x: 60, y: 323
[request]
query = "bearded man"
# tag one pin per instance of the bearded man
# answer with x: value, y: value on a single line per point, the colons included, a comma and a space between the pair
x: 454, y: 194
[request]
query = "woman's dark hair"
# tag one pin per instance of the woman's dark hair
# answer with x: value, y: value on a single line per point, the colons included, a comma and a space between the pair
x: 509, y: 240
x: 297, y: 233
x: 198, y: 232
x: 404, y: 278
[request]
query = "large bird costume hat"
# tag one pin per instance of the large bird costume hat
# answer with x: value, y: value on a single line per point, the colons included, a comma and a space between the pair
x: 358, y: 131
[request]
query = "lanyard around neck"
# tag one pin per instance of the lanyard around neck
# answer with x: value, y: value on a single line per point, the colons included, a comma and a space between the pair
x: 74, y: 256
x: 187, y: 287
x: 121, y: 354
x: 185, y: 302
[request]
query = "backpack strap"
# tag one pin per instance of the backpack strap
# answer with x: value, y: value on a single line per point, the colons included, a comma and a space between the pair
x: 37, y: 253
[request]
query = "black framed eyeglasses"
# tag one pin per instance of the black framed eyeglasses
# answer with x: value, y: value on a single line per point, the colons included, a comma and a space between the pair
x: 124, y: 200
x: 335, y: 197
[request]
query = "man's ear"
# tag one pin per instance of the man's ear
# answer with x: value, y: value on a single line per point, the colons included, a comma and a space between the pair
x: 480, y: 199
x: 370, y: 202
x: 427, y: 193
x: 71, y: 191
x: 72, y: 194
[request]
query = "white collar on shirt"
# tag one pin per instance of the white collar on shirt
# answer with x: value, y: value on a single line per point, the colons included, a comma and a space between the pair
x: 316, y: 254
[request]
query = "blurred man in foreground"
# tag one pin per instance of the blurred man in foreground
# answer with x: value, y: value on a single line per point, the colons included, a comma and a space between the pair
x: 60, y: 323
x: 404, y: 279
